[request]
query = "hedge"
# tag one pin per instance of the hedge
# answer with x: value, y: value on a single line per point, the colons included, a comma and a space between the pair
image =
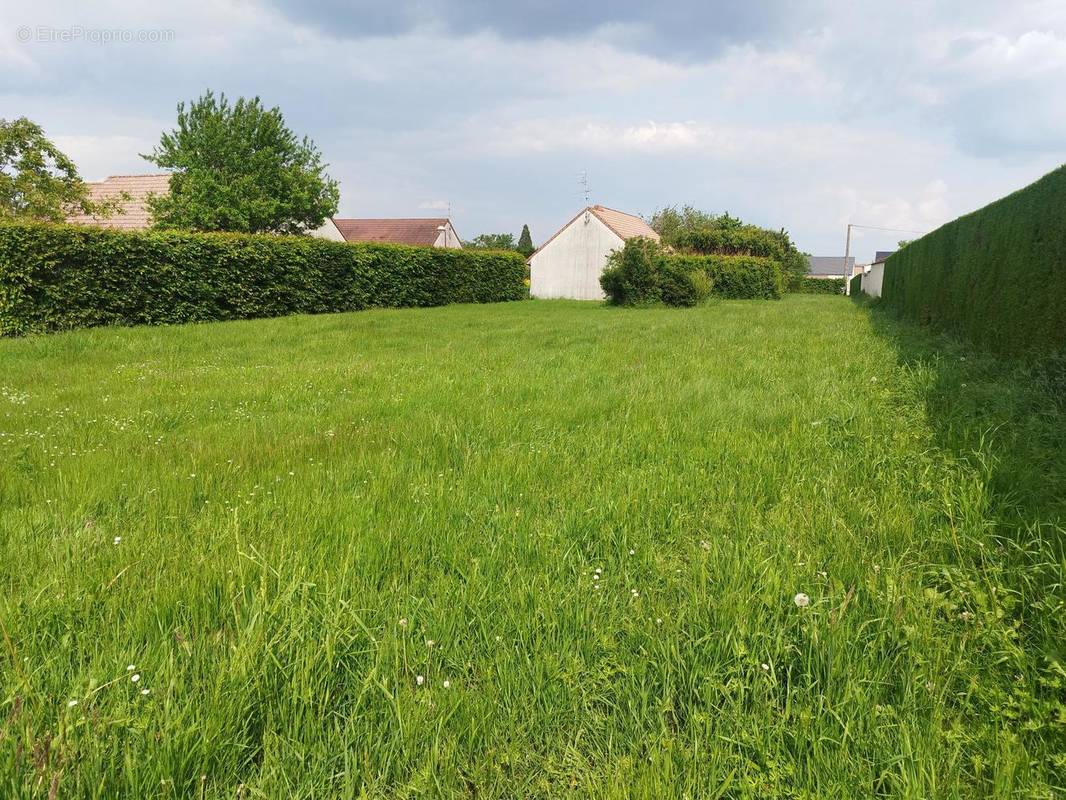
x: 996, y: 277
x: 821, y: 286
x: 55, y: 277
x: 856, y: 286
x: 737, y: 277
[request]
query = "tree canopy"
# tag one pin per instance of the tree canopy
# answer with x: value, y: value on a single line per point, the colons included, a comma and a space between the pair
x: 38, y: 181
x: 238, y: 167
x: 525, y: 242
x: 492, y: 241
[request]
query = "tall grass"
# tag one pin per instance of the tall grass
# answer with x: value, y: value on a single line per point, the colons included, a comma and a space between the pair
x: 531, y: 550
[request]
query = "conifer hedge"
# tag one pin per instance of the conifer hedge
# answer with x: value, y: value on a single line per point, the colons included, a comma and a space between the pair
x: 996, y: 277
x: 55, y: 277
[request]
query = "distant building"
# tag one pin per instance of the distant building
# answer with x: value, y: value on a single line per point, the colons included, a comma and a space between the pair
x: 873, y: 276
x: 830, y: 267
x: 425, y: 231
x: 570, y: 263
x: 132, y: 214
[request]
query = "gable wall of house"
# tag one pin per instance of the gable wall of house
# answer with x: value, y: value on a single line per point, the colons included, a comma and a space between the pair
x: 569, y: 266
x: 448, y: 237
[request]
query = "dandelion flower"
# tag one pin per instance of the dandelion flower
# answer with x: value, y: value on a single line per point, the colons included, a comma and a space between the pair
x: 144, y: 691
x: 71, y: 703
x: 136, y: 677
x: 420, y: 680
x: 447, y: 684
x: 403, y: 622
x: 131, y: 668
x: 766, y: 667
x: 116, y: 540
x: 632, y: 552
x: 430, y: 642
x: 658, y: 620
x: 802, y: 600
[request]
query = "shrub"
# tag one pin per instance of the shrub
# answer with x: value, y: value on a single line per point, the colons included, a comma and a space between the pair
x: 737, y: 277
x: 683, y: 287
x: 996, y: 277
x: 631, y: 277
x: 60, y: 276
x: 822, y: 285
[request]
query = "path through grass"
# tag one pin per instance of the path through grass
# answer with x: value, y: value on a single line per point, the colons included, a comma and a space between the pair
x: 529, y: 550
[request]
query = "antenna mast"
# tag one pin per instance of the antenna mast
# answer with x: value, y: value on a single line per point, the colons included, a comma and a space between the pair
x: 583, y: 179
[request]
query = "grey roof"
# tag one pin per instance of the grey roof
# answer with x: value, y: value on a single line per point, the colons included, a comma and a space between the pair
x: 881, y: 255
x: 829, y: 265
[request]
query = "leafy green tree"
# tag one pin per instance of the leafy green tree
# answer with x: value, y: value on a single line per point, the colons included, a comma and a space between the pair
x: 492, y: 241
x: 38, y: 181
x: 525, y: 242
x: 238, y: 167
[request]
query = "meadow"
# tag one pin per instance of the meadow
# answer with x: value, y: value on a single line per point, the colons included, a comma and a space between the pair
x: 543, y: 549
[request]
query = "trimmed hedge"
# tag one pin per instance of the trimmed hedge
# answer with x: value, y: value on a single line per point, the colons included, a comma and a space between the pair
x: 856, y: 286
x: 996, y: 277
x: 737, y: 277
x: 55, y: 277
x: 821, y: 286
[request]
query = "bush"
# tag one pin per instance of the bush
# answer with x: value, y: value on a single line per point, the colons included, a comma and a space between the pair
x: 631, y: 277
x: 56, y: 277
x: 996, y: 277
x: 737, y: 277
x: 821, y: 285
x: 683, y: 287
x: 856, y: 286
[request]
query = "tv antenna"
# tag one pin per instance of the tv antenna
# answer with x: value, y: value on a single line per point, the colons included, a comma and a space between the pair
x: 583, y: 179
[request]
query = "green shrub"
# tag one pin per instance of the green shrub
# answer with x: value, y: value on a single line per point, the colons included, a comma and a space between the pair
x: 737, y: 277
x: 821, y: 286
x: 631, y: 277
x: 56, y: 277
x: 683, y: 287
x: 996, y: 277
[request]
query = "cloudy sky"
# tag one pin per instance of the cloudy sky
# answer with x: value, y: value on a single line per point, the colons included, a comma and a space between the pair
x: 788, y: 113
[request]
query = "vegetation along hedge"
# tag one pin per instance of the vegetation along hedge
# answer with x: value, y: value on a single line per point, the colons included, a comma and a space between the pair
x: 737, y: 277
x: 996, y: 277
x: 55, y: 277
x: 856, y: 286
x: 821, y: 286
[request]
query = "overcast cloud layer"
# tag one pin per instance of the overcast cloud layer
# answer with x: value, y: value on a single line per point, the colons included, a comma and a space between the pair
x: 803, y: 115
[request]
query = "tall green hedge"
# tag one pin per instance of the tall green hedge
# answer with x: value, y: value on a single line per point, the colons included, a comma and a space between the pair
x: 996, y: 277
x: 737, y: 277
x: 55, y: 277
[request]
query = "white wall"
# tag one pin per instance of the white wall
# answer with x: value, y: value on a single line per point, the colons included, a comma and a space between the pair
x: 448, y: 238
x: 570, y: 264
x: 328, y: 231
x: 872, y: 280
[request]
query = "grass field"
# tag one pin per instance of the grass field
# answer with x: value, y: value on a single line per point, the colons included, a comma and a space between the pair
x: 538, y: 549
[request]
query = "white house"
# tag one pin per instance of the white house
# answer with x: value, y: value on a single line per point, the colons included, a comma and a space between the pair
x: 426, y: 231
x: 569, y: 264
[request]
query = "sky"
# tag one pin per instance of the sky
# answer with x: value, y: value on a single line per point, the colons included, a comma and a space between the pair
x: 794, y: 114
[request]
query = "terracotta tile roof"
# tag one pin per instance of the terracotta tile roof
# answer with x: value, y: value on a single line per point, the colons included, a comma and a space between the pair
x: 625, y: 225
x: 132, y: 214
x: 396, y: 231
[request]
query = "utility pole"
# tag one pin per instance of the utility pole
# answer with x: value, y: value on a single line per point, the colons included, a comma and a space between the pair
x: 847, y: 252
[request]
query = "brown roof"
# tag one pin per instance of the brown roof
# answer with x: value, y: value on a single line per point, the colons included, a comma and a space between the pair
x: 133, y: 213
x: 396, y: 231
x: 625, y: 226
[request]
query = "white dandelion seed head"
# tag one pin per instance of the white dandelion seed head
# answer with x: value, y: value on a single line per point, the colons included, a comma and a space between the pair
x: 116, y: 540
x: 632, y: 552
x: 430, y: 642
x: 71, y: 703
x: 131, y: 668
x: 403, y: 622
x: 135, y: 677
x: 447, y: 684
x: 801, y: 600
x: 766, y: 667
x: 420, y: 679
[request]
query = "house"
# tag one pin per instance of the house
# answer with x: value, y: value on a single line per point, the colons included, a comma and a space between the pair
x: 874, y: 275
x: 426, y: 231
x: 132, y: 213
x: 825, y: 267
x: 569, y: 264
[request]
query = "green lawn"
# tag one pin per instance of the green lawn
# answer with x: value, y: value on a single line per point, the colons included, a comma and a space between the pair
x: 534, y: 549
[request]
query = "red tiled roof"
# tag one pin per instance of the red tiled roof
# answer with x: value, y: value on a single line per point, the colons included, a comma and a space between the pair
x: 396, y: 231
x: 623, y: 225
x: 132, y: 214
